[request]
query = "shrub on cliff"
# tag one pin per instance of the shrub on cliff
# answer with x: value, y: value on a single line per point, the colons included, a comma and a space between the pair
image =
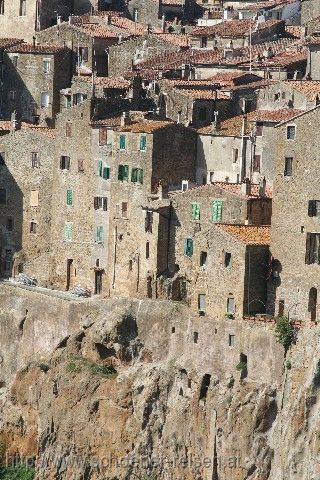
x: 17, y: 473
x: 285, y: 332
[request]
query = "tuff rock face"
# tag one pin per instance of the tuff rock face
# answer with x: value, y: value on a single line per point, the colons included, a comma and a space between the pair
x: 104, y: 405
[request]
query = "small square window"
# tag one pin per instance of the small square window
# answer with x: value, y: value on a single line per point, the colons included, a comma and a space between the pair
x: 202, y: 303
x: 33, y: 227
x: 35, y: 160
x: 203, y: 258
x: 232, y: 340
x: 65, y: 163
x: 227, y: 259
x: 46, y: 66
x: 291, y: 132
x: 124, y: 210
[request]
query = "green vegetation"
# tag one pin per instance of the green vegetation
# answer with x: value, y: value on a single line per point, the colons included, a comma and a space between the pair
x: 44, y: 367
x: 17, y: 473
x: 241, y: 366
x: 285, y: 332
x: 78, y: 362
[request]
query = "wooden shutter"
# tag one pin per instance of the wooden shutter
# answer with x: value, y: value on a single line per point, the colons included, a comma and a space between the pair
x: 195, y: 211
x: 134, y: 175
x: 34, y: 198
x: 217, y: 210
x: 120, y: 172
x: 143, y: 143
x: 308, y: 249
x: 102, y: 136
x: 106, y: 173
x: 122, y: 142
x: 125, y: 172
x: 95, y: 203
x: 69, y: 197
x: 105, y: 204
x: 189, y: 247
x: 100, y: 168
x: 140, y: 176
x: 312, y: 212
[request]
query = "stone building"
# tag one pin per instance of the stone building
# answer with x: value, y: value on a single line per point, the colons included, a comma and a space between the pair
x: 309, y: 9
x: 149, y: 157
x: 89, y: 43
x: 294, y: 275
x: 26, y: 215
x: 235, y: 33
x: 26, y: 17
x: 221, y: 263
x: 34, y: 76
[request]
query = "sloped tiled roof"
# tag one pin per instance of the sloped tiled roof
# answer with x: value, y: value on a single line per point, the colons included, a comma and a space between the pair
x: 234, y: 28
x: 145, y: 126
x: 309, y: 88
x: 30, y: 48
x: 248, y: 234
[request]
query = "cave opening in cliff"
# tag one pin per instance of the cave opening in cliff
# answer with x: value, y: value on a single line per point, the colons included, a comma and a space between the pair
x: 205, y: 386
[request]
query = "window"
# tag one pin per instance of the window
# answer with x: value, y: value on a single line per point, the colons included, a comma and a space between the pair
x: 312, y: 248
x: 101, y: 203
x: 99, y: 234
x: 235, y: 156
x: 277, y: 97
x: 122, y: 142
x: 143, y: 143
x: 195, y: 211
x: 82, y: 55
x: 65, y: 163
x: 147, y: 250
x: 188, y: 248
x: 3, y: 196
x: 148, y: 221
x: 33, y: 227
x: 2, y: 158
x: 46, y: 66
x: 1, y: 7
x: 314, y: 208
x: 102, y: 136
x: 35, y: 163
x: 68, y: 101
x: 123, y: 173
x: 203, y: 258
x: 69, y: 198
x: 124, y: 210
x: 217, y: 210
x: 281, y: 308
x: 259, y: 129
x: 106, y: 173
x: 202, y: 302
x: 10, y: 224
x: 288, y: 161
x: 202, y: 114
x: 12, y: 95
x: 23, y: 8
x: 137, y: 175
x: 204, y: 42
x: 256, y: 163
x: 44, y: 99
x: 195, y: 337
x: 291, y: 132
x: 232, y: 340
x: 68, y: 129
x: 80, y: 165
x: 78, y: 98
x: 230, y: 306
x: 135, y: 14
x: 68, y: 231
x: 227, y: 259
x: 34, y: 198
x: 14, y: 60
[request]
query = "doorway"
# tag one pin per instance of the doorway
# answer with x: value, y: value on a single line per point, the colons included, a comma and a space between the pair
x: 313, y: 294
x: 98, y: 283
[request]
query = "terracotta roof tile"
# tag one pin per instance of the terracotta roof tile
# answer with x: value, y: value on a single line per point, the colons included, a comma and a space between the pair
x: 248, y: 234
x: 9, y: 42
x: 106, y: 82
x: 5, y: 125
x: 145, y: 126
x: 233, y: 28
x: 309, y: 88
x: 30, y: 48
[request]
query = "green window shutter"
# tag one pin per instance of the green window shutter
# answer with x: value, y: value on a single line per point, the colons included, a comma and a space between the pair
x: 125, y: 172
x: 140, y: 176
x: 217, y: 210
x: 122, y: 142
x: 106, y: 173
x: 195, y: 211
x: 99, y: 234
x: 143, y: 143
x: 120, y: 172
x: 188, y: 250
x: 68, y: 232
x: 100, y: 168
x: 134, y: 175
x: 69, y: 197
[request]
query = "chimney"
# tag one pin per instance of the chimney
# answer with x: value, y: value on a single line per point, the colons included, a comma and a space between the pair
x: 163, y: 20
x: 246, y: 187
x: 262, y: 187
x: 14, y: 122
x: 109, y: 19
x: 71, y: 17
x: 34, y: 41
x: 125, y: 119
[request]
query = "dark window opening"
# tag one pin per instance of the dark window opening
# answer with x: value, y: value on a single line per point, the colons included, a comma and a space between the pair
x: 65, y: 163
x: 291, y: 132
x: 312, y: 248
x: 33, y: 227
x: 195, y: 337
x: 288, y: 161
x: 173, y: 330
x: 10, y: 224
x: 124, y: 210
x: 243, y: 366
x: 259, y: 129
x: 256, y: 163
x: 232, y: 340
x: 281, y: 308
x: 227, y: 259
x: 314, y: 208
x: 203, y: 258
x: 205, y: 386
x: 149, y: 221
x: 312, y: 305
x: 147, y: 250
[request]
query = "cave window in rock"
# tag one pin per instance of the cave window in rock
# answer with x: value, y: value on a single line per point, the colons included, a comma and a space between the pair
x: 205, y: 386
x: 312, y: 307
x: 195, y: 337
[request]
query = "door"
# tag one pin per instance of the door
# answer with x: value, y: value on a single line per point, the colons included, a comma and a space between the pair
x: 70, y: 271
x: 98, y: 283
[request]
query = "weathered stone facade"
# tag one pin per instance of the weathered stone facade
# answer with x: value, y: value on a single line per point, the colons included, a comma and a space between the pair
x: 34, y: 76
x: 295, y: 278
